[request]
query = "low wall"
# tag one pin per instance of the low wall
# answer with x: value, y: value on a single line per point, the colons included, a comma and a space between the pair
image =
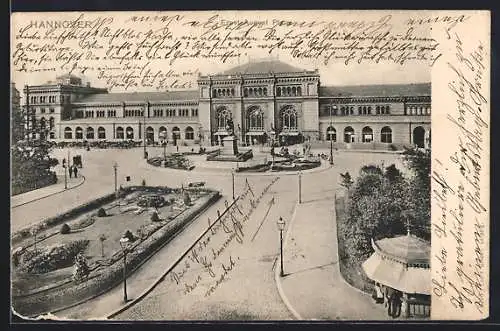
x: 71, y: 294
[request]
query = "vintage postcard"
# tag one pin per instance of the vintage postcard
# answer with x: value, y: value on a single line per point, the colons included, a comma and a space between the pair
x: 250, y: 165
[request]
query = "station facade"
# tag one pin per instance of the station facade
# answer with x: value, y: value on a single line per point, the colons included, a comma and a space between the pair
x: 267, y: 101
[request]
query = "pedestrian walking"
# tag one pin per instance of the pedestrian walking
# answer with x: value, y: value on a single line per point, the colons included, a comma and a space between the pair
x: 70, y: 170
x: 75, y: 171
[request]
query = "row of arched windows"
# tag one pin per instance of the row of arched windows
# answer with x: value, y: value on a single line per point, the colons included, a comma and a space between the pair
x: 222, y: 92
x: 366, y: 134
x: 287, y: 91
x: 361, y: 110
x: 136, y: 112
x: 255, y: 118
x: 44, y: 124
x: 418, y: 110
x: 125, y: 133
x: 255, y: 91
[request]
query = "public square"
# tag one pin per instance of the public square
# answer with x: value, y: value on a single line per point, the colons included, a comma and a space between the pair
x: 312, y: 287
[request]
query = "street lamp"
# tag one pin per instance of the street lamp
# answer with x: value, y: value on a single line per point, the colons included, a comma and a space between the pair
x: 300, y: 186
x: 232, y: 174
x: 124, y: 241
x: 281, y: 227
x: 115, y: 167
x: 331, y: 140
x: 65, y: 173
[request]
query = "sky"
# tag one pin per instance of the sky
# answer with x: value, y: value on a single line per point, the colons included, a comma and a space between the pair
x: 335, y: 73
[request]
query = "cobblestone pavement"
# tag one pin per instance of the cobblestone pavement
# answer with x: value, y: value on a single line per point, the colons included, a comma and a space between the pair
x: 248, y: 291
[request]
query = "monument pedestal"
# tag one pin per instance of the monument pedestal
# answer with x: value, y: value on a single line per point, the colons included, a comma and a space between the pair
x: 230, y: 145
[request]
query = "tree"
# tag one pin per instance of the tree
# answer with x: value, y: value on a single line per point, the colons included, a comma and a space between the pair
x: 35, y: 230
x: 82, y: 269
x: 346, y: 180
x: 17, y: 126
x: 102, y: 239
x: 187, y: 199
x: 31, y: 165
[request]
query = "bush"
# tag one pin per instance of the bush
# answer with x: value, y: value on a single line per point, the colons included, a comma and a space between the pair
x: 52, y: 258
x: 129, y: 235
x: 65, y: 229
x: 155, y: 217
x: 187, y: 199
x: 101, y: 212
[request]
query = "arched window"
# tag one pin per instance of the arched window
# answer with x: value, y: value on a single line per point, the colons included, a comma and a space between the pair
x: 250, y: 92
x: 78, y: 133
x: 90, y: 133
x: 51, y: 122
x: 278, y: 91
x: 331, y: 134
x: 386, y: 135
x: 367, y: 134
x: 176, y: 133
x: 255, y: 119
x: 419, y: 136
x: 289, y: 118
x: 223, y: 114
x: 52, y: 135
x: 359, y: 110
x: 43, y: 123
x: 369, y: 110
x: 377, y: 110
x: 342, y: 110
x: 294, y: 91
x: 387, y: 109
x: 265, y: 91
x: 68, y: 133
x: 150, y: 135
x: 245, y: 92
x: 101, y: 133
x: 299, y: 91
x: 189, y: 133
x: 288, y: 91
x: 119, y: 133
x: 352, y: 110
x: 364, y: 110
x: 428, y: 110
x: 162, y: 133
x: 348, y: 134
x: 260, y: 92
x: 129, y: 133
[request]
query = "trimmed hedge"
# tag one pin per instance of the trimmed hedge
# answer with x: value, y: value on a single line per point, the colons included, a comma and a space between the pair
x: 71, y: 294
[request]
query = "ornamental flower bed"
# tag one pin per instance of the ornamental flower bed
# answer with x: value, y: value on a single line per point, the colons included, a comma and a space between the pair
x: 106, y: 272
x: 174, y: 161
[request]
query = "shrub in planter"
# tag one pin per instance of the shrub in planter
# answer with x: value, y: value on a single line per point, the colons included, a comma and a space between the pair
x: 187, y: 199
x: 129, y: 235
x: 65, y: 229
x: 155, y: 217
x: 101, y: 212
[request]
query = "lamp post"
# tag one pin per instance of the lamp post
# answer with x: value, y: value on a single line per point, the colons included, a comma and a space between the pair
x: 144, y: 134
x: 232, y: 175
x: 115, y: 168
x: 331, y: 140
x: 300, y: 186
x: 281, y: 227
x: 65, y: 174
x: 124, y: 244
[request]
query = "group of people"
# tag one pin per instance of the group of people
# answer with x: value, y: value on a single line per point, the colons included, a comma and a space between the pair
x: 391, y: 298
x: 73, y: 171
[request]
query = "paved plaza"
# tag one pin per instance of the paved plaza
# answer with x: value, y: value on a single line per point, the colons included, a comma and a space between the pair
x: 312, y: 287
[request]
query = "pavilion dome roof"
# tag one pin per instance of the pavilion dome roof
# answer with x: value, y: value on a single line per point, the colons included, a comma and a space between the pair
x: 262, y: 67
x: 401, y: 263
x: 407, y: 249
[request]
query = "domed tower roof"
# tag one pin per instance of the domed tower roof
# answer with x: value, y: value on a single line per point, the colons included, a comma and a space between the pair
x: 262, y: 67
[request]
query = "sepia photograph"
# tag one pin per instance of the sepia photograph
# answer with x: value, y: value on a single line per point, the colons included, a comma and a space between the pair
x: 249, y: 166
